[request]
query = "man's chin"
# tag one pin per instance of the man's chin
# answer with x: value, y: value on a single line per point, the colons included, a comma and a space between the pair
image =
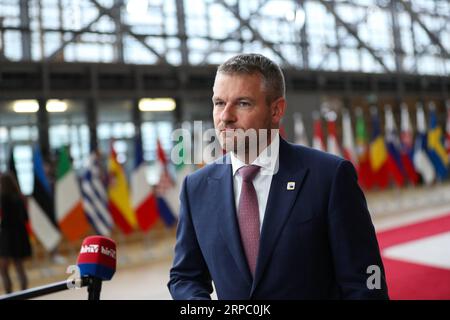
x: 227, y: 147
x: 229, y: 144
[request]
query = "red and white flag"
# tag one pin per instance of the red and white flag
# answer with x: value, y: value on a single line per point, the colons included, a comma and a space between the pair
x: 348, y: 142
x: 332, y: 140
x: 142, y: 197
x: 299, y: 129
x: 318, y: 140
x: 407, y: 144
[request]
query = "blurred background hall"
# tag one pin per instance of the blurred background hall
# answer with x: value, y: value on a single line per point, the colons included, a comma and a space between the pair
x: 94, y: 89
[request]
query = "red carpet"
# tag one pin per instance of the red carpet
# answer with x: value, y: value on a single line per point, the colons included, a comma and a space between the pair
x: 410, y: 281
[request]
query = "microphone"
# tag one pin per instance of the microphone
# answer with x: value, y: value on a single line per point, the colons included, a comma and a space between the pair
x: 96, y: 262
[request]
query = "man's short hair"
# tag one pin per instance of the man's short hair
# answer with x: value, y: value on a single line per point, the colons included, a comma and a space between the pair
x: 256, y: 63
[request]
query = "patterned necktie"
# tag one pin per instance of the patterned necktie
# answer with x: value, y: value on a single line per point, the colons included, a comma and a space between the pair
x: 248, y: 215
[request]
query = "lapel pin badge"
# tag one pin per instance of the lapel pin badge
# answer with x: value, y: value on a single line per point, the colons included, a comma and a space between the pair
x: 290, y: 185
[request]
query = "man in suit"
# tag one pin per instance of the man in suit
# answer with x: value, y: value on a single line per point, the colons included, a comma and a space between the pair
x: 288, y: 223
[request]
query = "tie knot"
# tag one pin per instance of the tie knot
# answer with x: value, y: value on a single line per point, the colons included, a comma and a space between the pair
x: 248, y: 173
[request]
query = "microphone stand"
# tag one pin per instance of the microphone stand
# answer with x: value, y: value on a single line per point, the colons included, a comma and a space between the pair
x: 94, y: 286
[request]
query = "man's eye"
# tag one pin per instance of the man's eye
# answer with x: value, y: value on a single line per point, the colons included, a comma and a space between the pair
x: 218, y: 104
x: 244, y: 104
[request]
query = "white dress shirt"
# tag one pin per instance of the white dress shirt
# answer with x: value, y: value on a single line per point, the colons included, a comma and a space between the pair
x: 268, y: 161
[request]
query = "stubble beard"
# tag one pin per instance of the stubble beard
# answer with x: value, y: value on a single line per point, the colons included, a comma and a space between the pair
x: 246, y: 144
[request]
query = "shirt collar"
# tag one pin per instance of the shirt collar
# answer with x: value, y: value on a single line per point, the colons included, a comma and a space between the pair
x: 268, y: 161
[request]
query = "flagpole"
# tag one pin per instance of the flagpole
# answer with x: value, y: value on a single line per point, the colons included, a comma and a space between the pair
x: 147, y: 240
x: 123, y: 258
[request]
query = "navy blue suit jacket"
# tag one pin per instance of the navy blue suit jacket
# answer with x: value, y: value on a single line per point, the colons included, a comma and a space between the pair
x: 317, y: 240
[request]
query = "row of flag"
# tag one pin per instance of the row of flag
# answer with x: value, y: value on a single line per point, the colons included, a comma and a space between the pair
x: 389, y: 157
x: 105, y: 201
x: 96, y: 200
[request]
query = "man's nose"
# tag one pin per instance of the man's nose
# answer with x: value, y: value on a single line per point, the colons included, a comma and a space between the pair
x: 228, y: 113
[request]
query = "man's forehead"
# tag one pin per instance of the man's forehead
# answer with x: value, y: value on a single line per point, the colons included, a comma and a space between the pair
x: 238, y: 75
x: 238, y: 81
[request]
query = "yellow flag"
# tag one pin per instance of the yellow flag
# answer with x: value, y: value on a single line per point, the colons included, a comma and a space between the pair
x: 119, y: 196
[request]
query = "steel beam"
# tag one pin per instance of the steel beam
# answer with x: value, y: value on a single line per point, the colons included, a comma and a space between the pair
x: 26, y: 33
x: 304, y: 44
x: 117, y: 18
x: 434, y: 39
x: 219, y: 42
x: 76, y: 35
x: 181, y: 22
x: 126, y: 28
x: 255, y: 33
x: 329, y: 6
x: 398, y: 49
x: 2, y: 41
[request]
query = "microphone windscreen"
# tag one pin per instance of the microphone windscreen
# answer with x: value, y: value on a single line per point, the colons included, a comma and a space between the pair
x: 97, y: 257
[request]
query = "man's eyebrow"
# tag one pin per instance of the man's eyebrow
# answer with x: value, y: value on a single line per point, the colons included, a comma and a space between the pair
x: 237, y: 99
x: 245, y: 98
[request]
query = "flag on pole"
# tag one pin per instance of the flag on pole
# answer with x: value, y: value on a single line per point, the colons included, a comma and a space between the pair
x: 41, y: 208
x: 447, y: 131
x: 142, y: 197
x: 68, y: 202
x: 422, y: 162
x: 407, y: 144
x: 365, y: 175
x: 318, y: 140
x: 299, y: 130
x: 182, y: 169
x: 42, y: 189
x: 436, y: 150
x: 43, y: 229
x: 164, y: 185
x: 119, y: 197
x: 95, y: 198
x: 332, y: 140
x: 348, y: 143
x: 378, y: 152
x: 166, y: 212
x: 395, y: 166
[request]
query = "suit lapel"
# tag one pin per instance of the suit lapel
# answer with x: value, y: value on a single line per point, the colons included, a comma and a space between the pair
x: 279, y: 205
x: 222, y: 191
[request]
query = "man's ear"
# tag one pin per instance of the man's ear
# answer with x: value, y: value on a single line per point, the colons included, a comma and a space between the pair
x: 278, y: 108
